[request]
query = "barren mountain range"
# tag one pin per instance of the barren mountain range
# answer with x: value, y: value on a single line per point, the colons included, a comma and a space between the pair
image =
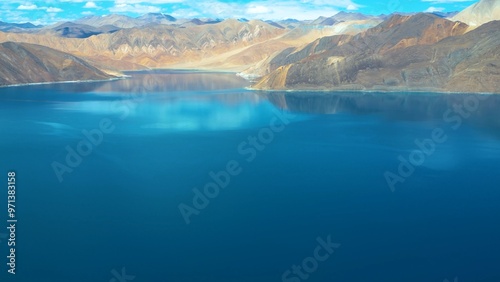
x: 344, y: 51
x: 27, y: 63
x: 120, y: 43
x: 418, y: 52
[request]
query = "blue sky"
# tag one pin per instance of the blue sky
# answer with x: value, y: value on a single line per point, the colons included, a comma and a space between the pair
x: 50, y: 11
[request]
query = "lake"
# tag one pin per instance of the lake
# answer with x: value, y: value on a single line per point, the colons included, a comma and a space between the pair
x: 190, y: 176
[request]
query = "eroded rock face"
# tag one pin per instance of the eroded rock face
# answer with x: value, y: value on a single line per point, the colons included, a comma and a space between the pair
x: 421, y: 52
x: 27, y: 63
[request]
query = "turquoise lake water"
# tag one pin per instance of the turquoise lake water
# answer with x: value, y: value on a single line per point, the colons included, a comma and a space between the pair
x: 107, y: 172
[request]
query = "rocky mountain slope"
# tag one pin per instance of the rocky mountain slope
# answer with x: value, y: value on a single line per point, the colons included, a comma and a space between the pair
x: 383, y: 36
x: 254, y: 57
x: 156, y: 40
x: 27, y: 63
x: 420, y: 52
x: 479, y: 13
x: 157, y: 45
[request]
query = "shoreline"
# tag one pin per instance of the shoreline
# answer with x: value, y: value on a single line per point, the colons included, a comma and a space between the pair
x: 291, y: 91
x: 326, y: 91
x: 180, y: 70
x: 63, y: 82
x: 123, y: 76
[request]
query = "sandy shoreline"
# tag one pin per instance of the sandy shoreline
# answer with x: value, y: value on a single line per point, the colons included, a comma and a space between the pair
x: 124, y: 75
x: 62, y: 82
x: 405, y: 91
x: 250, y: 78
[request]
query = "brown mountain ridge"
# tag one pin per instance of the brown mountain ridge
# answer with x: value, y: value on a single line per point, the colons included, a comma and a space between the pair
x: 420, y: 52
x: 28, y: 63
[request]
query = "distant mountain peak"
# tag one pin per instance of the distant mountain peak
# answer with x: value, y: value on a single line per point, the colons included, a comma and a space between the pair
x: 157, y: 16
x: 4, y: 26
x: 340, y: 17
x: 445, y: 14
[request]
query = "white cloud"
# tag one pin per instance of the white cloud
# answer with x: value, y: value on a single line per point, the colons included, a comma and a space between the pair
x: 136, y: 9
x: 53, y: 10
x: 257, y: 9
x: 344, y: 4
x: 148, y: 1
x: 87, y: 13
x: 90, y: 5
x: 31, y: 7
x: 185, y: 13
x: 434, y: 9
x: 272, y: 10
x: 126, y: 1
x: 446, y: 1
x: 352, y: 7
x: 16, y: 16
x: 28, y: 6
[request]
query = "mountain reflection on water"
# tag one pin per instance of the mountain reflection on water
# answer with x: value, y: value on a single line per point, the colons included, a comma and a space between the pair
x: 186, y: 95
x: 395, y: 106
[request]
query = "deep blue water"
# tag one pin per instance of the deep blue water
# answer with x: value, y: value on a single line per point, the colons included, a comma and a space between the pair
x: 321, y: 175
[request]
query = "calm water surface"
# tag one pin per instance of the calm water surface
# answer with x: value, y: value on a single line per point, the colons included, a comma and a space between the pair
x: 321, y: 174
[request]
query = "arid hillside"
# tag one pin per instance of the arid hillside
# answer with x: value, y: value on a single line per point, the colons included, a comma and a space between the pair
x: 420, y: 52
x: 27, y: 63
x: 479, y: 13
x: 159, y: 41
